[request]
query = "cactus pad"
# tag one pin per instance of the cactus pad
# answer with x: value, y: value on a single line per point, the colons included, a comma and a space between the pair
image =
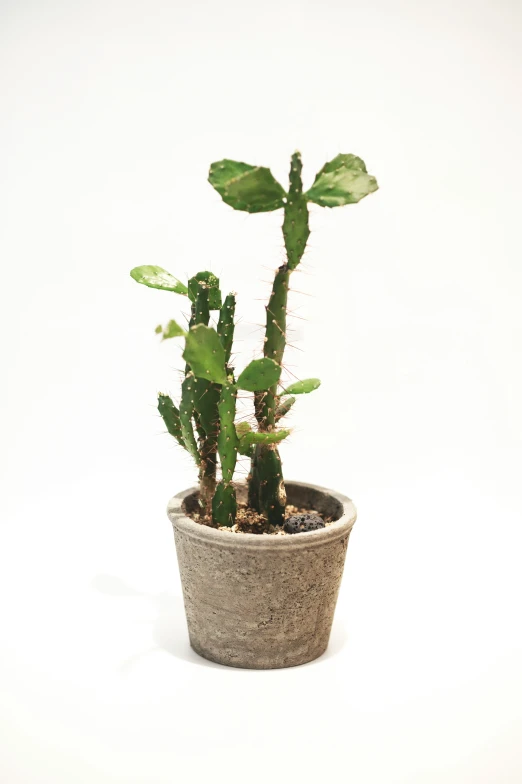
x: 204, y: 353
x: 158, y: 278
x: 343, y: 180
x: 170, y: 330
x: 245, y: 187
x: 259, y: 374
x: 302, y: 387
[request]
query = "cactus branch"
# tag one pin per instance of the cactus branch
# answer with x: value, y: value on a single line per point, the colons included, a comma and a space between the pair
x: 225, y: 327
x: 170, y: 415
x: 186, y: 410
x: 295, y: 224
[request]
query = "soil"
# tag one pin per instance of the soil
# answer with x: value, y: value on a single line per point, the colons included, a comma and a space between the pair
x: 248, y: 521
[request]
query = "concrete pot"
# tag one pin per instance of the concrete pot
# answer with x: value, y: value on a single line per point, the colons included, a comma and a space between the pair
x: 262, y: 601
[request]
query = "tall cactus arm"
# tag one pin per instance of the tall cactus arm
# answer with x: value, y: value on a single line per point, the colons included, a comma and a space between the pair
x: 224, y: 504
x: 204, y: 288
x: 225, y: 327
x: 227, y: 438
x: 295, y: 224
x: 275, y: 342
x: 186, y: 410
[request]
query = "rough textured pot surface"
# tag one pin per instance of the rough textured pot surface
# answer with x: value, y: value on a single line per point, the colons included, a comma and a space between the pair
x: 262, y: 601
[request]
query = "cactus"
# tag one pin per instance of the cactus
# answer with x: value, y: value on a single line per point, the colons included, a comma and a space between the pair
x: 284, y: 407
x: 205, y: 423
x: 170, y: 415
x: 225, y: 327
x: 302, y: 387
x: 295, y: 223
x: 225, y: 506
x: 344, y: 180
x: 186, y: 411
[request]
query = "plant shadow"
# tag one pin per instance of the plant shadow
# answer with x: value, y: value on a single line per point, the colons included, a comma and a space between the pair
x: 170, y: 629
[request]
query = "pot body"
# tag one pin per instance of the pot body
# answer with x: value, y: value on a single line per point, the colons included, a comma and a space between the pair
x: 262, y: 601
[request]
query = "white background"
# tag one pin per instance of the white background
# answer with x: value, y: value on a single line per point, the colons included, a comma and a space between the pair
x: 409, y: 312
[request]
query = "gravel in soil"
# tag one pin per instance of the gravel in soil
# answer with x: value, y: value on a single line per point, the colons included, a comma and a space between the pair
x: 248, y: 521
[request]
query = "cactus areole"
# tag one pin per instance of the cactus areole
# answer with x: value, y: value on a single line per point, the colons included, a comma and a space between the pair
x: 203, y: 422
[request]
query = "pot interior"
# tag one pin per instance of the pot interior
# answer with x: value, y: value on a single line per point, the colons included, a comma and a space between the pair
x: 300, y: 495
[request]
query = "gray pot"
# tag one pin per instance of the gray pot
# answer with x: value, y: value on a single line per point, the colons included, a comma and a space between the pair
x: 262, y: 601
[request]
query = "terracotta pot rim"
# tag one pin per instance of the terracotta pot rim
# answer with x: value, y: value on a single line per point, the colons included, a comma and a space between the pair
x: 337, y: 530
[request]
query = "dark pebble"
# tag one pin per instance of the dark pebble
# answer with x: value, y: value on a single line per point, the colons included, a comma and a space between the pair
x: 299, y: 523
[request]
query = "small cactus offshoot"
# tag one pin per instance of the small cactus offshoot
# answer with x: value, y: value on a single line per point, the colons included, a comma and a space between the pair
x: 205, y: 424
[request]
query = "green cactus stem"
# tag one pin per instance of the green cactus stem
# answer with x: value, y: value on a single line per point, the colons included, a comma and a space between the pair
x: 186, y: 410
x: 295, y: 224
x: 227, y: 439
x: 267, y: 486
x: 170, y: 415
x: 224, y: 505
x: 225, y: 327
x: 205, y: 280
x: 204, y: 290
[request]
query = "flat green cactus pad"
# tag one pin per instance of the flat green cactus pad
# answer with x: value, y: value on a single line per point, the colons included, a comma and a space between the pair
x: 245, y: 187
x: 259, y: 374
x: 158, y: 278
x: 343, y: 180
x: 205, y: 354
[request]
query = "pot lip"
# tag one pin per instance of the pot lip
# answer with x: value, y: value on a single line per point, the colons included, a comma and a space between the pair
x: 337, y: 530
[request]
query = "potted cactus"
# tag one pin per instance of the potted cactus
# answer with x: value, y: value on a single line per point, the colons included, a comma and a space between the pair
x: 260, y: 562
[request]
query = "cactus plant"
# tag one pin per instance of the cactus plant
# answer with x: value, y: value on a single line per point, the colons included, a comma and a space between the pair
x: 204, y: 424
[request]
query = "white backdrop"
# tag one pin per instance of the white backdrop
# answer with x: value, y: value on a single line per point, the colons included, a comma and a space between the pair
x: 409, y: 312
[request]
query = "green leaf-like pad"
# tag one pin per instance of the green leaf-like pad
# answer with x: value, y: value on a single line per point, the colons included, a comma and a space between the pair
x: 205, y: 355
x: 259, y: 374
x: 170, y: 330
x: 158, y: 278
x: 302, y: 387
x: 209, y: 281
x: 343, y: 180
x: 250, y: 438
x: 245, y: 187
